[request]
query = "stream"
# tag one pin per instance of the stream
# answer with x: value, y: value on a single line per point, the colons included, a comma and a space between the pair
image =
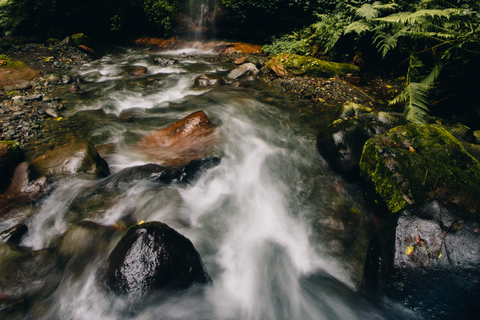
x: 280, y: 234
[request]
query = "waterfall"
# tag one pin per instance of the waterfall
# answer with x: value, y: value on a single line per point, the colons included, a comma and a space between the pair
x: 201, y: 19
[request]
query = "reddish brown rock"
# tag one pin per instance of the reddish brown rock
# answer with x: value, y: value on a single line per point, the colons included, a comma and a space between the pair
x: 190, y: 138
x: 88, y: 50
x: 240, y: 61
x: 140, y: 71
x: 24, y: 186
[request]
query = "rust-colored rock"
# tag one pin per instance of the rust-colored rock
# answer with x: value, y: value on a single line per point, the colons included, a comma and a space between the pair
x: 140, y: 71
x: 240, y: 61
x: 88, y: 50
x: 190, y: 138
x: 161, y: 44
x: 23, y: 186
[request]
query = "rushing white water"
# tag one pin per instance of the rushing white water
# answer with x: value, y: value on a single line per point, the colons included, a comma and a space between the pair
x: 250, y: 217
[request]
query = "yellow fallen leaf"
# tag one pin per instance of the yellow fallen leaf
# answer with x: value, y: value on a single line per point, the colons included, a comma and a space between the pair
x: 389, y: 86
x: 58, y: 119
x: 141, y: 222
x: 409, y: 250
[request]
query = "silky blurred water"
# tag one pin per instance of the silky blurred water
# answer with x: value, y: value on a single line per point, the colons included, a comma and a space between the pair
x: 265, y: 220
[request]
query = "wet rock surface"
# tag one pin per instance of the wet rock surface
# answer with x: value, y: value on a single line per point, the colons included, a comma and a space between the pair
x: 72, y: 159
x: 341, y: 144
x: 191, y: 138
x: 429, y: 260
x: 152, y: 257
x: 10, y: 156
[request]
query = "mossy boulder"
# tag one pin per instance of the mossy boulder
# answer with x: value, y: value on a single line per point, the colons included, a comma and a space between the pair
x: 151, y: 257
x: 72, y: 159
x: 413, y: 164
x: 341, y: 143
x: 10, y: 156
x: 80, y: 39
x: 287, y: 65
x: 13, y: 74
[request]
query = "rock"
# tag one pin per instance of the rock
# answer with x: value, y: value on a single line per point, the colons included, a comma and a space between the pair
x: 67, y: 41
x: 101, y: 197
x: 190, y: 138
x: 80, y: 39
x: 52, y: 113
x: 66, y: 79
x: 240, y: 61
x: 22, y: 85
x: 82, y: 243
x: 10, y: 156
x: 34, y: 97
x: 25, y: 186
x: 53, y: 78
x: 207, y: 80
x: 27, y: 274
x: 341, y: 144
x: 152, y: 257
x: 165, y: 62
x: 72, y: 159
x: 244, y: 69
x: 140, y: 71
x: 14, y: 234
x: 414, y: 164
x: 75, y: 88
x: 88, y: 50
x: 287, y: 65
x: 430, y: 264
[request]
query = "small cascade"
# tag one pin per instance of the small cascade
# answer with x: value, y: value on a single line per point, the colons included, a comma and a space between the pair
x: 200, y: 19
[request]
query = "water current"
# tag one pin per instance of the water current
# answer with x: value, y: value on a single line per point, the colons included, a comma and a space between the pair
x: 281, y: 236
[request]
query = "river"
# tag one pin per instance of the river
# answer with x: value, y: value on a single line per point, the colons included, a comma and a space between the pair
x: 281, y: 235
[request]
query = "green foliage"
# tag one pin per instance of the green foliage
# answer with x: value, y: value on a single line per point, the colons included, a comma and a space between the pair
x: 160, y: 12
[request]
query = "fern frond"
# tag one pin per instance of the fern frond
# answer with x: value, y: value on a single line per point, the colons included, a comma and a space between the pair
x: 370, y: 11
x: 420, y: 16
x: 386, y: 41
x: 359, y: 27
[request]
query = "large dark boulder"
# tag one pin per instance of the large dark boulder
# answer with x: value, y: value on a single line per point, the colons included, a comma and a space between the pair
x: 341, y: 144
x: 414, y: 164
x: 10, y: 156
x: 152, y: 257
x: 72, y: 159
x: 429, y: 260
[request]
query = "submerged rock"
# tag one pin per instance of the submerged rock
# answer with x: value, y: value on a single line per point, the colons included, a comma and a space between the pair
x: 25, y: 185
x: 72, y: 159
x: 151, y: 257
x: 190, y: 138
x: 93, y: 201
x: 14, y: 234
x: 414, y: 164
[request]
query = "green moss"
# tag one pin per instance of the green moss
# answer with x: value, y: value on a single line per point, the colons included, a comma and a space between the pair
x: 416, y: 163
x: 80, y: 39
x: 6, y: 62
x: 296, y: 65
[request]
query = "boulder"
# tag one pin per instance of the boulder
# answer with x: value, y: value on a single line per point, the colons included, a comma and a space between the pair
x: 244, y: 69
x: 430, y: 262
x: 88, y: 50
x: 80, y: 39
x: 341, y: 143
x: 26, y: 274
x: 25, y: 186
x: 91, y: 202
x: 152, y: 257
x: 287, y: 65
x: 10, y: 156
x: 190, y: 138
x: 72, y: 159
x: 414, y: 164
x: 207, y: 80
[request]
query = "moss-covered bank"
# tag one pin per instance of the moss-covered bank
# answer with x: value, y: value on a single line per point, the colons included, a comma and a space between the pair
x: 413, y: 164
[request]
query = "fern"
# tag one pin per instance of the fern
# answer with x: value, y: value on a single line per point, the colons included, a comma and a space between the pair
x: 416, y: 94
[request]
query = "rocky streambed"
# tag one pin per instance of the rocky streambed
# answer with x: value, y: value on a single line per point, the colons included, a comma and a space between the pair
x: 211, y: 163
